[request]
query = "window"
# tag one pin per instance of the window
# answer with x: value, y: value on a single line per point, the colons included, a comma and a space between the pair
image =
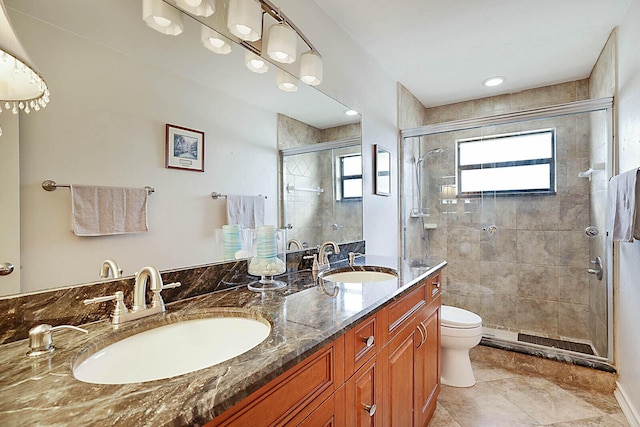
x: 516, y: 163
x: 350, y: 177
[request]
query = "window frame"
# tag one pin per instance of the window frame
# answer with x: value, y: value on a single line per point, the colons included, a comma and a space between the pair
x: 551, y: 190
x: 344, y: 178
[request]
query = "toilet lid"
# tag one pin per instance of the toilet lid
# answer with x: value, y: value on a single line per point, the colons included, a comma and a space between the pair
x: 459, y: 318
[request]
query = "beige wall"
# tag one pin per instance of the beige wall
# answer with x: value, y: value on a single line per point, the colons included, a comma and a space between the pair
x: 628, y: 296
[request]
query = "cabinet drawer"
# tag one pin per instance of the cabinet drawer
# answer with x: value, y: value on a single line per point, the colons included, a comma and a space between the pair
x: 401, y: 311
x: 312, y: 380
x: 362, y: 342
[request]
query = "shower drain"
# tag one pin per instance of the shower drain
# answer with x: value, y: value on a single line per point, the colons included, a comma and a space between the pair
x: 561, y: 344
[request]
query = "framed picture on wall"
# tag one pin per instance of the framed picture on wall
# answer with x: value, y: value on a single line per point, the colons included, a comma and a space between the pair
x: 382, y: 171
x: 185, y: 148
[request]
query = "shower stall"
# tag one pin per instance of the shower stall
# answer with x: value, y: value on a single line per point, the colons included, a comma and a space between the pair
x: 516, y: 205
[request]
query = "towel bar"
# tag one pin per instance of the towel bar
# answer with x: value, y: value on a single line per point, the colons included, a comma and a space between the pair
x: 216, y: 195
x: 49, y: 185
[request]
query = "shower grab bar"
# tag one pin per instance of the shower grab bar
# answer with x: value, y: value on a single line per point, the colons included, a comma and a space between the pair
x: 316, y: 190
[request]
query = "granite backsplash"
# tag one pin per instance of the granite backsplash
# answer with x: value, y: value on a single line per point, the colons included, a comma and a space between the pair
x: 61, y: 306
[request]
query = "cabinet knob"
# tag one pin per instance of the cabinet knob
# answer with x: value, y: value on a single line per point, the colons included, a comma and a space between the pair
x: 371, y: 409
x: 6, y: 268
x: 368, y: 340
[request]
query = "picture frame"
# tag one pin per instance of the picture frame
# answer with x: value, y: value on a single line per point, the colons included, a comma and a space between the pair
x: 382, y: 170
x: 184, y: 148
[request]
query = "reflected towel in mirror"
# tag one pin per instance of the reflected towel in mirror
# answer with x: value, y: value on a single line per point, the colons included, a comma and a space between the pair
x: 246, y: 211
x: 104, y: 211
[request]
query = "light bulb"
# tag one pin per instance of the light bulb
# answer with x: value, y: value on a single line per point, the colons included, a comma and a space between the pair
x: 243, y: 29
x: 311, y: 68
x: 244, y: 19
x: 280, y: 55
x: 163, y: 22
x: 216, y: 42
x: 255, y: 63
x: 494, y: 81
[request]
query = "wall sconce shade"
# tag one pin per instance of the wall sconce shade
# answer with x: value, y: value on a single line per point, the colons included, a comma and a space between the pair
x: 282, y: 43
x: 286, y: 81
x: 214, y: 42
x: 244, y: 19
x: 255, y: 63
x: 311, y: 68
x: 21, y: 86
x: 197, y: 7
x: 162, y: 17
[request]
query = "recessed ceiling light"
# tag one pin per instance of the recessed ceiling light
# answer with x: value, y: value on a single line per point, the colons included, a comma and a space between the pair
x: 494, y: 81
x: 351, y: 113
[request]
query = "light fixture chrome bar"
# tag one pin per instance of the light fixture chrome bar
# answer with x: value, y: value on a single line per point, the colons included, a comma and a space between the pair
x: 277, y: 14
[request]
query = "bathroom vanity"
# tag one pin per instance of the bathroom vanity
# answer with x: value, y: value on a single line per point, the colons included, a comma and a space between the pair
x: 338, y: 354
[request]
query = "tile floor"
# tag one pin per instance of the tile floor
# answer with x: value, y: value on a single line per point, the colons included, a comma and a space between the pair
x: 505, y: 398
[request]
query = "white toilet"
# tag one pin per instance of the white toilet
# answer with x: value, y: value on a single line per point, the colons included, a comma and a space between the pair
x: 461, y: 331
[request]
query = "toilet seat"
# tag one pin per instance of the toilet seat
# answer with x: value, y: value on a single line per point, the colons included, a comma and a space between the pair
x: 458, y: 318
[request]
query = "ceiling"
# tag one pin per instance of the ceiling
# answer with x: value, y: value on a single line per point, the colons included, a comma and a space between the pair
x: 441, y: 51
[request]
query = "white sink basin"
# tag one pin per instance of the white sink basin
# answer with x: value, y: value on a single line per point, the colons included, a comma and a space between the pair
x: 171, y: 350
x: 361, y: 276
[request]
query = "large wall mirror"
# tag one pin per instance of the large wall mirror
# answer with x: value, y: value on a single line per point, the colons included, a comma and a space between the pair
x: 115, y: 83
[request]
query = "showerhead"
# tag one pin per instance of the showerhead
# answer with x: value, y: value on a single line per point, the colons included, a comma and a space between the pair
x: 434, y: 151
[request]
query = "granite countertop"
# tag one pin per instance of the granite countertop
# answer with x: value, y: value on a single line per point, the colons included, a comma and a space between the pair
x: 304, y: 317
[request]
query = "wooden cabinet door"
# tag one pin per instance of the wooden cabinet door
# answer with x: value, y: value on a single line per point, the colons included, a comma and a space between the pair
x: 323, y: 416
x: 364, y: 398
x: 400, y: 371
x: 427, y: 365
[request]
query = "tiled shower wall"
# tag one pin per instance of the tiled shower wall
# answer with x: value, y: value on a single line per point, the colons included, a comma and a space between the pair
x: 531, y: 274
x: 316, y: 217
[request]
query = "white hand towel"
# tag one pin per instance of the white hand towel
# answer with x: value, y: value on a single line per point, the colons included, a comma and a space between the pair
x: 104, y: 211
x: 246, y: 211
x: 623, y: 209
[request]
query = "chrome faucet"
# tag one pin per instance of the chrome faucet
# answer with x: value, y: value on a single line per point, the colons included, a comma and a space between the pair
x: 294, y: 242
x: 109, y: 265
x: 139, y: 309
x: 140, y: 287
x: 323, y: 255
